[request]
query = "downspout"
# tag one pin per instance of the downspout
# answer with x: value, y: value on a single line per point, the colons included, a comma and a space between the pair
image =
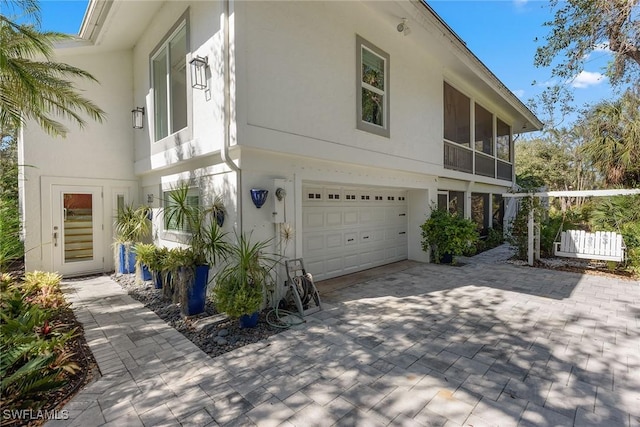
x: 227, y: 115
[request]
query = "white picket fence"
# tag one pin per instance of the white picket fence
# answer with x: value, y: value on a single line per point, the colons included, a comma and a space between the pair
x: 601, y: 245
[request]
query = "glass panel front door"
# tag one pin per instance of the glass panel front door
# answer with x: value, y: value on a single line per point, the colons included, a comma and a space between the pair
x: 77, y: 229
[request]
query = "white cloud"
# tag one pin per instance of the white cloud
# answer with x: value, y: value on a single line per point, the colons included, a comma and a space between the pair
x: 519, y: 93
x: 520, y: 3
x: 599, y: 48
x: 547, y: 83
x: 586, y: 79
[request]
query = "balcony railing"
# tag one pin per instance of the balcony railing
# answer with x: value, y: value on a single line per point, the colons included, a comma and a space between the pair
x: 461, y: 158
x: 505, y: 171
x: 458, y: 157
x: 485, y: 165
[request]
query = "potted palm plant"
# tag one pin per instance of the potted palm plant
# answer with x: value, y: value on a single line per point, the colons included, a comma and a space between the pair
x: 448, y: 235
x: 240, y: 284
x: 148, y: 261
x: 131, y: 226
x: 207, y: 246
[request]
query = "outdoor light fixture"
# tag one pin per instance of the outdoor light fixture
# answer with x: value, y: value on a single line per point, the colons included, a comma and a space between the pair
x: 258, y: 197
x: 199, y: 72
x: 403, y: 27
x: 137, y: 115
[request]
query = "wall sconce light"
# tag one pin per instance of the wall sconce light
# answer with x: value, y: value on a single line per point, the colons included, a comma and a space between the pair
x: 258, y: 197
x: 403, y: 27
x: 199, y: 72
x: 137, y: 116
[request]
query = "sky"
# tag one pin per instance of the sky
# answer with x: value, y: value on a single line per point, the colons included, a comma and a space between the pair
x: 501, y: 33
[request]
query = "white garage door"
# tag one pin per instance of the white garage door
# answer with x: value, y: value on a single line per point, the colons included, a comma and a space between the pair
x: 347, y: 229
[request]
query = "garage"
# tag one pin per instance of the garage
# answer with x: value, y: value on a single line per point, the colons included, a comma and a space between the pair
x: 349, y: 229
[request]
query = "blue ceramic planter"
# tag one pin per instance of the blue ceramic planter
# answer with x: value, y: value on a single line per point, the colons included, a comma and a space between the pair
x: 220, y: 218
x: 157, y: 280
x: 259, y: 196
x: 249, y: 320
x: 198, y: 294
x: 127, y: 261
x: 146, y: 274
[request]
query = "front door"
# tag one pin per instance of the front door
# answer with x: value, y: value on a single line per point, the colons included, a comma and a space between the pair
x: 77, y: 235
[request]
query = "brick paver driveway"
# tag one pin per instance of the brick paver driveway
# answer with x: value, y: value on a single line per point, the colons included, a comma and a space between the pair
x: 485, y: 344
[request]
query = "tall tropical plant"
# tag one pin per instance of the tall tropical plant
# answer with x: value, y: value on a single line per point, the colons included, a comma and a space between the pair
x: 32, y: 85
x: 613, y: 139
x: 240, y: 285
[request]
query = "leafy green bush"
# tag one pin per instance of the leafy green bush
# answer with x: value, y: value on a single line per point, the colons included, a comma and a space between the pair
x: 622, y: 215
x: 33, y: 345
x: 11, y: 247
x: 446, y: 233
x: 240, y: 285
x: 495, y: 237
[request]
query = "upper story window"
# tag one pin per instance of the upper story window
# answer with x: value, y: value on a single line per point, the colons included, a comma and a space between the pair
x: 503, y: 141
x: 484, y: 130
x: 372, y: 88
x: 169, y: 82
x: 457, y: 116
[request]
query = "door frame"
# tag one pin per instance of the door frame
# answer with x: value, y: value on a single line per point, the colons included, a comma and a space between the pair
x: 96, y: 264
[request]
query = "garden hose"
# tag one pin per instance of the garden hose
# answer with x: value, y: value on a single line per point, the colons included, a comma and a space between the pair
x: 280, y: 321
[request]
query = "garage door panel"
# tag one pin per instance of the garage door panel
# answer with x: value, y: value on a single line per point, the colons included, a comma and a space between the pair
x: 351, y: 260
x: 314, y: 243
x: 360, y: 228
x: 372, y: 215
x: 350, y: 239
x: 334, y: 219
x: 351, y: 217
x: 378, y: 256
x: 371, y: 236
x: 334, y: 240
x: 315, y: 267
x: 334, y: 266
x: 313, y: 219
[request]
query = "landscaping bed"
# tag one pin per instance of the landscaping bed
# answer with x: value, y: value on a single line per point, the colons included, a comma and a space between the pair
x: 32, y: 321
x: 213, y: 333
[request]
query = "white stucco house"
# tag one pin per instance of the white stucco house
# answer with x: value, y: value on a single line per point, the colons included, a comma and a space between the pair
x: 363, y: 122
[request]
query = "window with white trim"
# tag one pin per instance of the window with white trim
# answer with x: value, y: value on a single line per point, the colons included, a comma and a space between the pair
x: 372, y: 88
x: 169, y: 83
x: 171, y: 224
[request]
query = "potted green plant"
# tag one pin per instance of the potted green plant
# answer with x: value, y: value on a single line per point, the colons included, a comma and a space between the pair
x: 148, y: 261
x: 448, y: 235
x: 131, y: 226
x: 207, y: 246
x: 218, y: 210
x: 240, y: 284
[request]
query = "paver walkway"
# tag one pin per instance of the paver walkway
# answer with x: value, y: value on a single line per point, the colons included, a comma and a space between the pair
x: 485, y: 344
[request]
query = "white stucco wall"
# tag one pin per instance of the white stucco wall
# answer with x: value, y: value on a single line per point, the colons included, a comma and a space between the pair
x: 299, y: 93
x: 205, y: 131
x: 100, y: 154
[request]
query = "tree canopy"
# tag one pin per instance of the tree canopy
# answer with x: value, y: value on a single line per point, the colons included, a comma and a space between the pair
x: 612, y: 139
x: 581, y: 27
x: 32, y: 85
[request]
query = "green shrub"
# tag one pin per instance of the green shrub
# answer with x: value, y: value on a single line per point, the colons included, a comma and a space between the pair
x: 446, y: 233
x: 622, y: 215
x: 11, y: 247
x: 551, y: 227
x: 495, y: 237
x: 33, y: 347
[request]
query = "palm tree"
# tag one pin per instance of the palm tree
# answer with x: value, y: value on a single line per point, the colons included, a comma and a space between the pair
x: 32, y: 86
x: 612, y: 139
